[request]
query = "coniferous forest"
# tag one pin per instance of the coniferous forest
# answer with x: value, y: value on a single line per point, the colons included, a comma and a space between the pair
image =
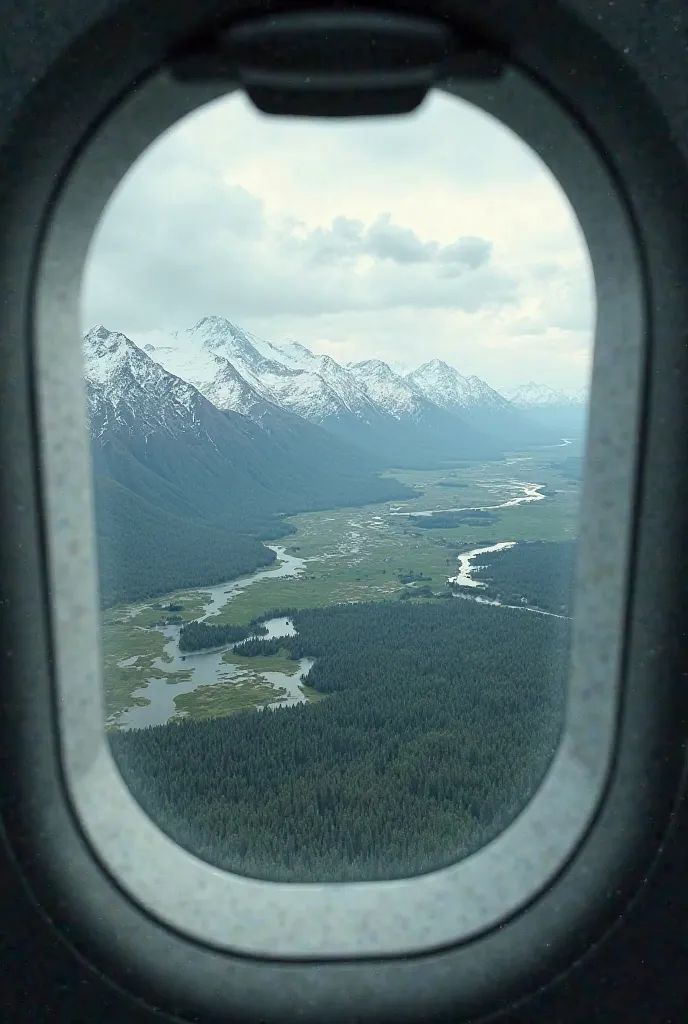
x: 145, y: 550
x: 538, y: 573
x: 439, y: 721
x: 198, y: 636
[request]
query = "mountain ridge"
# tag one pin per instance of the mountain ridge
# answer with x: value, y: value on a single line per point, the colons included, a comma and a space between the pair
x: 480, y: 405
x: 535, y: 394
x: 565, y: 412
x: 425, y: 417
x: 319, y: 390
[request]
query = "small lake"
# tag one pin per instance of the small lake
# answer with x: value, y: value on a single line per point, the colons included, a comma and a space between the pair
x: 208, y: 668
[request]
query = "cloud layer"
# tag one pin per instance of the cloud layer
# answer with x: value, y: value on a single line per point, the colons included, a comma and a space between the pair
x: 398, y: 261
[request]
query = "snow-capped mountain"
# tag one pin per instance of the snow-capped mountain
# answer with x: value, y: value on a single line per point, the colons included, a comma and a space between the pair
x: 212, y: 352
x: 151, y: 430
x: 216, y: 356
x: 184, y: 493
x: 525, y: 396
x: 566, y: 413
x: 441, y: 431
x: 445, y: 386
x: 128, y: 393
x: 389, y: 390
x: 421, y: 418
x: 327, y: 390
x: 479, y: 404
x: 294, y: 354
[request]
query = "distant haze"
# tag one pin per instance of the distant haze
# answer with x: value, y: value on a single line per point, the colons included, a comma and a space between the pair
x: 438, y: 235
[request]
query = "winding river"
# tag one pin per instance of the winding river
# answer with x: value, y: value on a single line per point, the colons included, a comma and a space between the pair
x: 209, y: 668
x: 464, y: 578
x: 220, y: 595
x: 531, y: 492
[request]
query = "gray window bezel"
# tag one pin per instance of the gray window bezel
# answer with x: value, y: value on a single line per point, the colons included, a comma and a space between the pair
x: 364, y: 919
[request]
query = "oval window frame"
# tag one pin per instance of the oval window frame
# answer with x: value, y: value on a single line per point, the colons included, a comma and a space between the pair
x: 304, y: 921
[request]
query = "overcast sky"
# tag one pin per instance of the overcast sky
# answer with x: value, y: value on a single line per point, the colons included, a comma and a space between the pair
x: 438, y: 234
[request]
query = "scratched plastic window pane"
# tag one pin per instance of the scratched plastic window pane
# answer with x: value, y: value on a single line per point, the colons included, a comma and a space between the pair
x: 337, y: 380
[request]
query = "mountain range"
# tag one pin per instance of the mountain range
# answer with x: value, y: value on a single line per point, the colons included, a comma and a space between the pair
x: 202, y: 441
x: 563, y: 412
x: 423, y: 418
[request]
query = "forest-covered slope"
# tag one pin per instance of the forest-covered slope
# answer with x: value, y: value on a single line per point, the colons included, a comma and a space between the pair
x: 439, y: 722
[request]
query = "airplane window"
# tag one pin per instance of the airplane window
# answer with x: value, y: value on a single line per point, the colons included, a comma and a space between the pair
x: 341, y: 567
x: 337, y: 377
